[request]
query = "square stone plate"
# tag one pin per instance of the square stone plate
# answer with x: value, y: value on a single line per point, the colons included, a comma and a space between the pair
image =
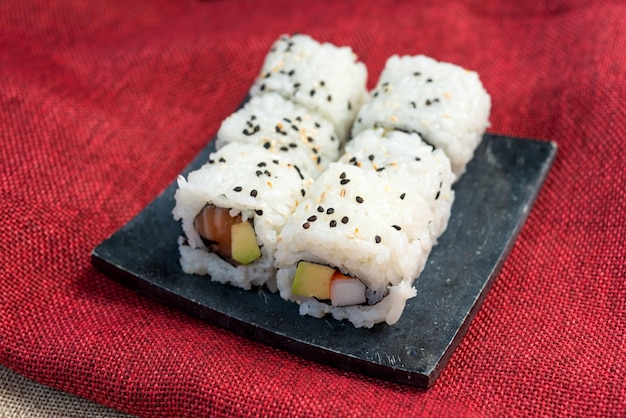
x: 493, y: 199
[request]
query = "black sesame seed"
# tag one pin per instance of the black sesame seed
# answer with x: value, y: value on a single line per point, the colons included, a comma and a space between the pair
x: 380, y: 169
x: 222, y: 160
x: 312, y: 92
x: 344, y: 220
x: 253, y: 193
x: 284, y: 148
x: 330, y: 211
x: 267, y: 145
x: 211, y: 161
x: 359, y: 199
x: 344, y: 181
x: 256, y: 129
x: 429, y: 80
x: 296, y: 85
x: 317, y: 125
x: 303, y: 192
x: 314, y: 150
x: 306, y: 225
x: 375, y: 94
x: 342, y: 175
x: 299, y: 172
x: 295, y: 128
x: 371, y: 157
x: 329, y: 98
x: 292, y: 72
x: 267, y: 173
x: 287, y: 120
x: 435, y: 100
x: 252, y: 117
x: 418, y: 159
x: 413, y: 104
x: 267, y: 75
x: 275, y: 161
x: 310, y: 139
x: 402, y: 196
x: 353, y: 160
x: 319, y: 160
x: 322, y: 83
x: 259, y: 212
x: 320, y: 209
x: 293, y: 145
x: 359, y: 120
x: 349, y: 106
x: 396, y: 227
x: 312, y: 218
x: 298, y: 118
x: 428, y: 102
x: 258, y: 173
x: 378, y: 239
x: 261, y: 164
x: 437, y: 195
x: 238, y: 189
x: 262, y: 87
x: 332, y: 223
x: 417, y: 73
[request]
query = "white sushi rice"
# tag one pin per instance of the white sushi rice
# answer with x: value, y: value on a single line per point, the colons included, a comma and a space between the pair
x: 367, y: 227
x: 282, y: 126
x: 319, y: 76
x: 227, y: 181
x: 388, y: 310
x: 403, y: 158
x: 446, y: 104
x: 375, y: 214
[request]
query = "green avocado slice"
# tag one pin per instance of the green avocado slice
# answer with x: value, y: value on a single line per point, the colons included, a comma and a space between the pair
x: 312, y: 280
x: 244, y: 247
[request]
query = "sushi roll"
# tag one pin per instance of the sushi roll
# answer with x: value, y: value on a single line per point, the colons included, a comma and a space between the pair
x: 443, y: 103
x: 319, y: 76
x: 281, y: 126
x: 354, y: 246
x: 403, y: 158
x: 232, y: 210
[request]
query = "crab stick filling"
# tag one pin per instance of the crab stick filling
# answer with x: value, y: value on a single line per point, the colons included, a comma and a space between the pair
x: 326, y: 283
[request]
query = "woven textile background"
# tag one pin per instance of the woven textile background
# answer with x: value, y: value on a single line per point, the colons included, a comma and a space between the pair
x: 103, y: 103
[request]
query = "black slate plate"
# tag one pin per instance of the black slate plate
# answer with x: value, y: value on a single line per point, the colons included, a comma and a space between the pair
x: 492, y: 202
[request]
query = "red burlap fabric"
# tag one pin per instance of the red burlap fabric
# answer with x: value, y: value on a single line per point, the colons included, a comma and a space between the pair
x: 103, y: 103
